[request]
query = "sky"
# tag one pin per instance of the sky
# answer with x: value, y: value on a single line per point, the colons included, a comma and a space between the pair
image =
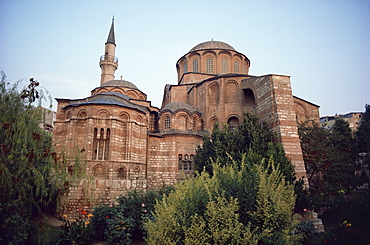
x: 323, y: 45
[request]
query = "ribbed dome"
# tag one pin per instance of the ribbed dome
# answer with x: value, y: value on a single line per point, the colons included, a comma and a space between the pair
x: 212, y: 45
x: 119, y: 83
x: 174, y: 106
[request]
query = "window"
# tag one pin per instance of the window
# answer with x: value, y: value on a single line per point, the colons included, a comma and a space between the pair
x: 186, y: 162
x: 106, y: 142
x: 224, y: 65
x: 236, y: 66
x: 209, y: 65
x: 194, y: 123
x: 195, y: 65
x: 233, y: 123
x: 244, y: 69
x: 122, y: 173
x: 101, y: 144
x: 95, y: 144
x: 167, y: 122
x: 185, y: 67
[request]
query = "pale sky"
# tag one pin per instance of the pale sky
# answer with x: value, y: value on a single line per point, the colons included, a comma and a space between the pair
x: 324, y: 45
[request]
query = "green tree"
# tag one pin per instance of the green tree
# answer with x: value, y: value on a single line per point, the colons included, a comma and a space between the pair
x: 32, y: 175
x: 239, y: 204
x: 25, y: 154
x: 363, y: 138
x: 252, y: 140
x: 341, y: 175
x: 329, y: 156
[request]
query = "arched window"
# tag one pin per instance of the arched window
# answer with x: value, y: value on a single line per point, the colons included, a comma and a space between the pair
x: 195, y: 65
x: 122, y: 173
x: 209, y: 65
x: 106, y: 142
x: 233, y: 123
x: 186, y: 163
x: 101, y: 144
x: 224, y: 65
x: 244, y: 69
x: 194, y: 123
x: 95, y: 144
x: 167, y: 122
x: 236, y: 66
x: 185, y: 67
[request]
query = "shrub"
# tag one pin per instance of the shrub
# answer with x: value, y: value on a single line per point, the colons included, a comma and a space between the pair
x: 77, y: 231
x: 123, y: 221
x: 239, y: 204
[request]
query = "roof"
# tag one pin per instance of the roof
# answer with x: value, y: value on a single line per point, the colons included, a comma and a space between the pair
x: 174, y: 106
x: 212, y: 45
x: 119, y: 83
x: 110, y: 98
x: 111, y: 38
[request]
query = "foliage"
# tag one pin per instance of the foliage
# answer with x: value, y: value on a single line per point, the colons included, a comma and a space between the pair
x: 308, y: 232
x: 330, y: 160
x: 25, y: 154
x: 32, y: 175
x: 363, y: 142
x: 129, y: 212
x: 119, y: 228
x: 76, y: 231
x: 239, y: 204
x: 363, y: 132
x: 349, y: 222
x: 253, y: 140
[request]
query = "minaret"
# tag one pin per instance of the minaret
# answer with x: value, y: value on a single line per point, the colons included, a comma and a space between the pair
x: 108, y: 62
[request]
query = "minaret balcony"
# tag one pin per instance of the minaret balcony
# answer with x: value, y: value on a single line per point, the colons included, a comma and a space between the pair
x: 109, y: 58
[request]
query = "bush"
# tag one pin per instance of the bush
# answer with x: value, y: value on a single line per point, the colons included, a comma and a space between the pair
x: 239, y: 204
x: 77, y: 231
x: 123, y: 222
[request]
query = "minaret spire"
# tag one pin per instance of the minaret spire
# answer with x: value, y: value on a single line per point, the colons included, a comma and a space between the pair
x: 108, y: 62
x: 111, y: 38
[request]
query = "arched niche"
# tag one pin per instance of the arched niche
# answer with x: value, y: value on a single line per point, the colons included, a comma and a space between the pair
x: 248, y: 97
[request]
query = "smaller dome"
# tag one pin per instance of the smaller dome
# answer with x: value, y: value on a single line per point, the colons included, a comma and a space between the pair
x: 212, y: 45
x: 174, y: 106
x: 119, y: 83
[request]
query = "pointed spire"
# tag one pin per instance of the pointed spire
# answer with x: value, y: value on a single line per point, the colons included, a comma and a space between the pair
x: 111, y: 38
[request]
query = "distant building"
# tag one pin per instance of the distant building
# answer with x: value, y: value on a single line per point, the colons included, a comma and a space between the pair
x: 353, y: 118
x: 48, y: 118
x: 130, y: 144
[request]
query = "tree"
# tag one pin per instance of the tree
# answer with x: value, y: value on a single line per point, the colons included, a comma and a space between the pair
x: 363, y: 139
x: 32, y: 175
x: 329, y: 156
x: 240, y: 203
x: 253, y: 140
x: 25, y: 153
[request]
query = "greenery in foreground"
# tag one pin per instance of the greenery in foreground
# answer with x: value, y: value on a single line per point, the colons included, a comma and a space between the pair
x: 240, y: 203
x: 32, y: 175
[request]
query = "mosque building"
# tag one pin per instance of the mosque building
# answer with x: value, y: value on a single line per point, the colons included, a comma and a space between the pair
x: 129, y: 144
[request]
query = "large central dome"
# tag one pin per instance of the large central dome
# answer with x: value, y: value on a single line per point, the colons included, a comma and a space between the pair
x: 212, y: 45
